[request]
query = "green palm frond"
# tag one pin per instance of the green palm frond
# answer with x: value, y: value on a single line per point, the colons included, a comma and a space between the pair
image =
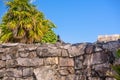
x: 24, y: 23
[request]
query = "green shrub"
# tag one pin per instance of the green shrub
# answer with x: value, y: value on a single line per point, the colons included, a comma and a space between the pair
x: 116, y: 67
x: 24, y: 23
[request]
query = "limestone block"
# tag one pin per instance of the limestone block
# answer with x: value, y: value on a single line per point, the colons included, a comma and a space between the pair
x: 98, y: 58
x: 66, y: 62
x: 51, y: 61
x: 89, y: 48
x: 74, y: 51
x: 46, y: 73
x: 29, y: 62
x: 78, y: 62
x: 67, y: 46
x: 71, y: 70
x: 70, y: 77
x: 102, y: 69
x: 88, y: 60
x: 94, y: 78
x: 27, y: 72
x: 12, y: 53
x: 2, y: 73
x: 23, y: 54
x: 32, y: 54
x: 78, y: 72
x: 2, y: 50
x: 63, y: 78
x: 5, y: 55
x: 66, y: 71
x: 107, y: 38
x: 110, y: 78
x: 98, y: 49
x: 2, y: 64
x: 28, y: 78
x: 64, y: 53
x: 8, y: 78
x: 17, y: 73
x: 11, y: 63
x: 111, y: 45
x: 77, y: 50
x: 4, y: 45
x: 63, y: 72
x: 32, y: 48
x: 51, y: 52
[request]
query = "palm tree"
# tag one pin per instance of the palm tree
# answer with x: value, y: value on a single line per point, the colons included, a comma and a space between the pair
x: 24, y: 23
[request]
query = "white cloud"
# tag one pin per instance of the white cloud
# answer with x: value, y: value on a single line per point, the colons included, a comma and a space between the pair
x: 31, y: 1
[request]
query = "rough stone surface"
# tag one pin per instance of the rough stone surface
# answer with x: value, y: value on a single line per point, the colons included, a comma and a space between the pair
x: 29, y: 62
x: 66, y: 62
x: 27, y: 72
x: 13, y: 73
x: 60, y: 61
x: 46, y: 73
x: 89, y: 48
x: 51, y: 61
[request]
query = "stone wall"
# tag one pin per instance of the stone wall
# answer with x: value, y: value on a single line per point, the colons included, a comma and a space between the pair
x: 82, y: 61
x: 107, y: 38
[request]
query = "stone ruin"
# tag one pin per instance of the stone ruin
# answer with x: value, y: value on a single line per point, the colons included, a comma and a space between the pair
x: 107, y: 38
x: 85, y: 61
x: 60, y: 61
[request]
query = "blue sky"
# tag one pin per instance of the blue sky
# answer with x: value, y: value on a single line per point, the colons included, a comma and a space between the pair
x: 80, y: 20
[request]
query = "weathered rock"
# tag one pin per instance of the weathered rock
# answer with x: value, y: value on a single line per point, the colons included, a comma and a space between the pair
x: 32, y: 54
x: 63, y: 71
x: 98, y: 49
x: 23, y: 54
x: 71, y: 70
x: 64, y: 53
x: 70, y: 77
x: 94, y: 78
x: 11, y: 63
x: 63, y: 78
x: 78, y: 63
x: 13, y: 53
x: 89, y: 48
x: 102, y: 69
x: 110, y: 79
x: 2, y: 50
x: 2, y: 73
x: 111, y: 45
x: 9, y: 45
x: 46, y: 73
x: 66, y: 62
x: 14, y: 73
x: 2, y: 64
x: 8, y: 78
x: 27, y: 72
x: 77, y: 50
x: 29, y: 62
x: 98, y: 58
x: 66, y: 71
x: 73, y: 51
x: 45, y: 52
x: 51, y: 61
x: 28, y: 78
x: 67, y: 46
x: 88, y: 61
